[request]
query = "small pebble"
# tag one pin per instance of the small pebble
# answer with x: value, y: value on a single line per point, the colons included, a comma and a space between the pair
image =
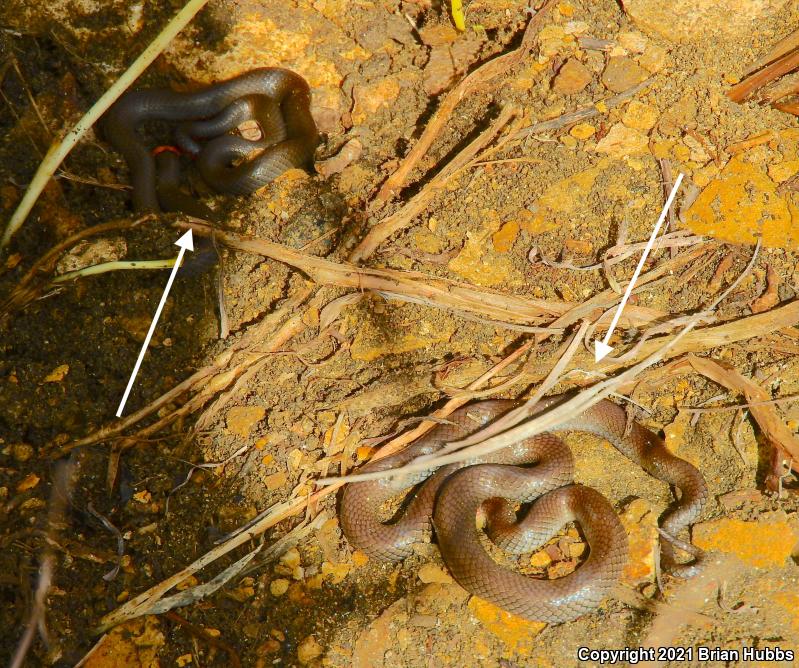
x: 22, y: 452
x: 571, y: 78
x: 431, y: 573
x: 308, y: 650
x: 291, y: 558
x: 279, y: 587
x: 622, y: 73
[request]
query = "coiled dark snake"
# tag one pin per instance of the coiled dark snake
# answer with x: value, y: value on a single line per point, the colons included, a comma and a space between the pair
x: 277, y: 99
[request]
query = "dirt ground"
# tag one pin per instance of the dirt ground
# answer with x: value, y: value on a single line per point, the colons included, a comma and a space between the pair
x: 318, y: 365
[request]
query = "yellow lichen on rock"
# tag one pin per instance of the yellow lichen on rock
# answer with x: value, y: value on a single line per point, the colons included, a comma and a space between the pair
x: 640, y: 523
x: 479, y: 262
x: 241, y: 419
x: 516, y: 633
x: 742, y: 205
x: 553, y: 208
x: 759, y: 544
x: 622, y: 141
x: 640, y: 116
x: 504, y: 237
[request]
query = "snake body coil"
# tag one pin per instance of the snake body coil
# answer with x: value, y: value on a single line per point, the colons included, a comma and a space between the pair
x: 277, y: 99
x: 451, y: 496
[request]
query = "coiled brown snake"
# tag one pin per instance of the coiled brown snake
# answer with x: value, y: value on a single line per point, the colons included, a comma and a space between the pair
x: 452, y: 495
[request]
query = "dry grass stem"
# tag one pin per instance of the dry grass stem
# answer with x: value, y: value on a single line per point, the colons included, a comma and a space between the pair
x: 403, y: 218
x: 752, y: 83
x: 141, y: 604
x: 474, y: 81
x: 61, y: 147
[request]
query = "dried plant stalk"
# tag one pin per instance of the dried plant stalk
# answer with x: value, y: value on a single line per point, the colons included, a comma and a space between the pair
x: 472, y: 82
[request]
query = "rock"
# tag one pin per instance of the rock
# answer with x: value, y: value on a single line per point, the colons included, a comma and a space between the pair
x: 480, y: 267
x: 653, y: 59
x: 240, y: 420
x: 742, y: 204
x: 57, y: 375
x: 348, y: 154
x: 759, y: 544
x: 22, y: 452
x: 431, y: 573
x: 634, y: 42
x: 438, y: 34
x: 582, y: 131
x: 640, y: 116
x: 571, y: 78
x: 439, y: 71
x: 622, y: 73
x: 86, y: 253
x: 28, y: 482
x: 640, y: 523
x: 622, y: 141
x: 686, y: 20
x: 308, y: 650
x: 504, y: 237
x: 279, y: 587
x: 541, y: 559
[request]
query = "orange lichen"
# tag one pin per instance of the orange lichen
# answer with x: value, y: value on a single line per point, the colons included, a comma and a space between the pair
x: 516, y: 633
x: 742, y: 205
x: 759, y: 544
x: 640, y: 523
x: 504, y: 237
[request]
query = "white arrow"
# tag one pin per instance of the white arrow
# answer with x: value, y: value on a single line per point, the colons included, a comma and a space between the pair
x: 185, y: 243
x: 601, y: 348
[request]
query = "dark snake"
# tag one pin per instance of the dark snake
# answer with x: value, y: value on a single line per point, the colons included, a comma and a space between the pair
x: 277, y: 99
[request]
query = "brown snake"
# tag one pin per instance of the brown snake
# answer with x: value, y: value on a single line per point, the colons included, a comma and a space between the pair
x: 450, y: 498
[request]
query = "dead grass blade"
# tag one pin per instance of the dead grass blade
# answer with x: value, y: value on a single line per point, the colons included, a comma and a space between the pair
x: 764, y: 413
x: 435, y: 291
x: 472, y: 82
x: 752, y: 83
x: 402, y: 218
x: 144, y: 602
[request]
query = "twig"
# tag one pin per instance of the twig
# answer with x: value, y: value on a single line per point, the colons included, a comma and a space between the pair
x: 111, y: 575
x: 581, y: 114
x: 402, y: 218
x: 61, y: 492
x: 783, y: 65
x: 146, y: 602
x: 433, y: 290
x: 472, y: 82
x: 61, y: 147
